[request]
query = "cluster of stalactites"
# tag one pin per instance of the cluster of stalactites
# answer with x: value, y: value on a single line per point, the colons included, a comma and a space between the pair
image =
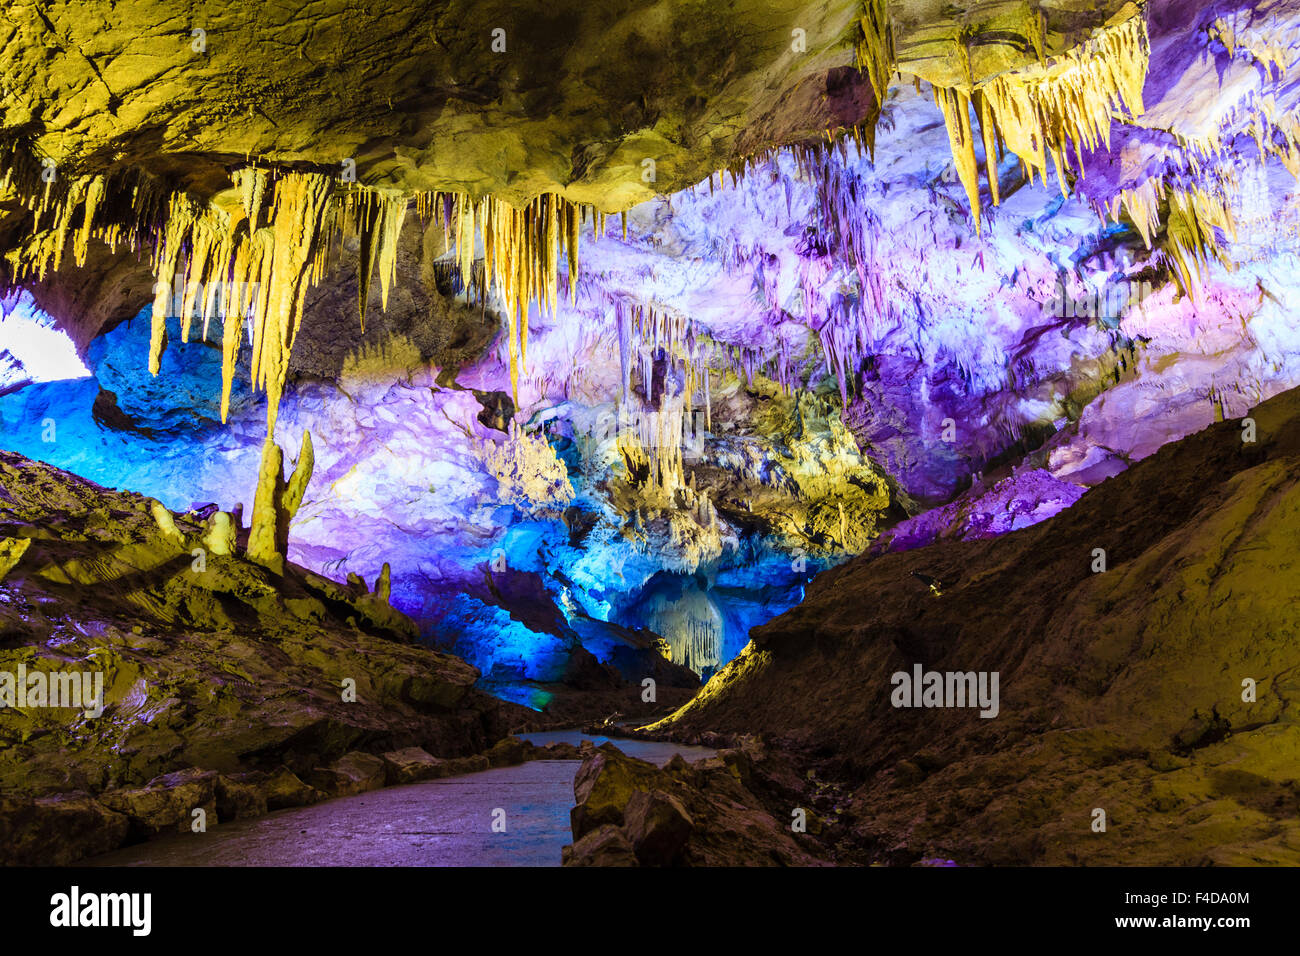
x: 375, y: 217
x: 1196, y: 197
x: 1274, y: 133
x: 1269, y: 41
x: 128, y: 208
x: 654, y: 433
x: 522, y: 251
x: 1195, y: 207
x: 808, y: 155
x: 875, y: 57
x: 250, y: 265
x: 748, y: 364
x: 1190, y: 239
x: 849, y: 332
x: 874, y: 46
x: 253, y: 265
x: 1049, y: 110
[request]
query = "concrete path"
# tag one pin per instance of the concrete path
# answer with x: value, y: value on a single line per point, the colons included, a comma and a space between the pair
x: 437, y: 823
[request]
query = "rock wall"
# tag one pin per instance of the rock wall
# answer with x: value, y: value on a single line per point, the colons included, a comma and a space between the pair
x: 1143, y: 640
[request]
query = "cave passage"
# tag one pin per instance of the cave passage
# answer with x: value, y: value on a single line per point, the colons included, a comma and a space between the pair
x: 881, y: 416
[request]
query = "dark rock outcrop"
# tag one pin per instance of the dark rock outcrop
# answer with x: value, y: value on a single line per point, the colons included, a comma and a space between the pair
x: 632, y: 813
x: 351, y: 774
x: 58, y: 829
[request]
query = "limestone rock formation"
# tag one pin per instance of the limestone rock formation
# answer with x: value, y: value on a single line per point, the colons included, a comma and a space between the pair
x: 353, y: 773
x: 11, y: 552
x: 1152, y: 685
x: 905, y: 305
x: 204, y: 671
x: 276, y: 502
x: 631, y: 813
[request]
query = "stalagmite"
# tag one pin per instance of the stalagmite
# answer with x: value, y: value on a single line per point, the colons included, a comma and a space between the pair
x: 276, y: 502
x: 166, y: 523
x: 219, y: 538
x: 270, y: 485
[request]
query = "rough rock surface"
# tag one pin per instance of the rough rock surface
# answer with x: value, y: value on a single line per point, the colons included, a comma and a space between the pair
x: 632, y: 813
x: 513, y: 97
x: 410, y: 764
x: 1158, y: 691
x: 351, y: 774
x: 209, y: 665
x: 58, y: 829
x: 814, y: 267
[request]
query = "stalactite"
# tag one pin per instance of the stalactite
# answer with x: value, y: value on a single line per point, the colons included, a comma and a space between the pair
x: 252, y: 183
x: 298, y: 224
x: 874, y: 46
x: 1190, y: 241
x: 955, y: 106
x: 521, y: 254
x: 657, y: 417
x: 1195, y: 207
x: 376, y: 218
x: 1142, y: 203
x: 1049, y: 109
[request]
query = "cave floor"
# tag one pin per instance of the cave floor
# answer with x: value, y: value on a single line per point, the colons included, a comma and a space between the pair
x: 446, y: 822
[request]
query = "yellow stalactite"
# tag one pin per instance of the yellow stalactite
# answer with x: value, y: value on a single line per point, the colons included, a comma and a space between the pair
x: 955, y: 106
x: 1053, y: 108
x: 874, y: 49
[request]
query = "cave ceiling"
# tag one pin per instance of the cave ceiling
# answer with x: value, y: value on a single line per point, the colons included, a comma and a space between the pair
x: 510, y: 99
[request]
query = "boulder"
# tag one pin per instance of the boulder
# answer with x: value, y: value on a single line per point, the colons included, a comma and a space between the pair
x: 603, y: 786
x: 604, y: 846
x: 57, y: 830
x: 510, y: 751
x: 284, y: 789
x: 166, y: 803
x: 239, y: 798
x: 474, y: 764
x: 658, y: 826
x: 559, y: 751
x: 353, y: 773
x: 11, y: 552
x: 699, y: 814
x: 411, y: 764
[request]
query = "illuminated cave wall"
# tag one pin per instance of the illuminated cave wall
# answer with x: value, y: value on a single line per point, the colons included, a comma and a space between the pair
x: 873, y: 358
